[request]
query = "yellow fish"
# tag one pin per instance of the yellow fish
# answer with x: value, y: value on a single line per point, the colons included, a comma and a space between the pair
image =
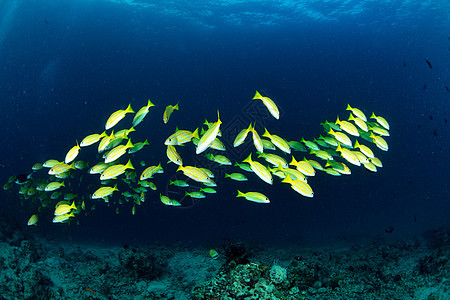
x: 259, y: 170
x: 254, y: 197
x: 33, y: 220
x: 380, y: 142
x: 341, y: 137
x: 271, y: 106
x: 357, y: 112
x: 347, y: 127
x: 359, y: 122
x: 195, y: 173
x: 92, y: 139
x: 181, y: 137
x: 382, y: 121
x: 240, y: 138
x: 348, y: 156
x: 209, y: 136
x: 173, y: 155
x: 140, y: 115
x: 63, y: 218
x: 300, y: 186
x: 104, y: 192
x: 61, y: 168
x: 364, y: 149
x: 168, y: 111
x: 70, y: 156
x: 54, y: 186
x: 117, y: 152
x: 303, y: 167
x: 64, y: 209
x: 150, y: 171
x: 117, y: 116
x: 278, y: 141
x: 257, y: 140
x: 105, y: 142
x: 116, y: 170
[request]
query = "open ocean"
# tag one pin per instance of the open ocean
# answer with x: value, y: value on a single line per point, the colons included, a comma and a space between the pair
x: 66, y: 66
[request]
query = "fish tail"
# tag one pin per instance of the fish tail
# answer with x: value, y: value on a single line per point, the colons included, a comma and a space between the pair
x: 266, y: 133
x: 349, y: 107
x: 248, y: 159
x: 240, y: 194
x: 257, y: 96
x: 195, y: 134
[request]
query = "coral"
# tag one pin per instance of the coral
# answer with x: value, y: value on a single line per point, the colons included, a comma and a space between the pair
x: 142, y: 263
x: 277, y: 274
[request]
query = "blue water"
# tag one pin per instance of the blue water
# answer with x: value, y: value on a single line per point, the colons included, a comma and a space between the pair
x: 67, y: 65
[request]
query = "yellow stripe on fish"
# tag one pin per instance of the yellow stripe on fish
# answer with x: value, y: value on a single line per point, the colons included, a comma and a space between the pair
x: 348, y: 156
x: 104, y: 142
x: 242, y: 135
x: 257, y: 140
x: 61, y: 168
x: 117, y: 116
x: 341, y: 137
x: 364, y: 149
x: 359, y: 122
x: 104, y: 192
x: 380, y: 120
x: 140, y: 115
x: 150, y: 171
x: 117, y: 152
x: 259, y: 170
x: 377, y: 162
x: 380, y: 142
x: 115, y: 170
x: 64, y: 209
x: 92, y: 139
x: 254, y: 197
x: 173, y: 155
x: 195, y: 173
x: 271, y: 106
x: 53, y: 186
x: 278, y: 141
x: 303, y: 166
x: 299, y: 186
x: 274, y: 159
x: 168, y: 112
x: 209, y: 136
x: 181, y: 137
x: 347, y: 127
x: 357, y: 112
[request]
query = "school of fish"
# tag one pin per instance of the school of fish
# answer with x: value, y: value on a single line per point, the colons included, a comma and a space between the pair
x: 273, y: 157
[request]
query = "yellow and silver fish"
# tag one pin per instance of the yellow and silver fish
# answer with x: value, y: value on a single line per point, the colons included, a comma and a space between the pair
x: 271, y: 106
x: 274, y: 159
x: 98, y: 168
x: 341, y: 137
x: 259, y: 170
x: 173, y: 155
x: 347, y: 127
x: 348, y: 155
x: 377, y: 162
x: 380, y: 142
x: 220, y: 159
x: 150, y: 171
x: 303, y: 167
x: 370, y: 166
x: 300, y: 186
x: 364, y: 149
x: 117, y: 152
x: 168, y: 112
x: 92, y: 139
x: 63, y: 218
x: 54, y: 186
x: 257, y: 140
x: 380, y: 120
x: 115, y: 170
x: 209, y: 136
x: 64, y: 209
x: 140, y: 115
x: 278, y: 141
x: 50, y: 163
x: 72, y: 154
x: 359, y: 122
x: 33, y: 220
x: 254, y: 197
x: 181, y: 137
x: 357, y: 112
x: 105, y: 142
x: 61, y: 168
x: 195, y: 173
x: 240, y: 138
x: 117, y: 116
x: 104, y: 192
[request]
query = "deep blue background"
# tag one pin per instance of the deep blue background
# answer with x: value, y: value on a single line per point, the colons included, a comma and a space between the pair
x: 66, y: 66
